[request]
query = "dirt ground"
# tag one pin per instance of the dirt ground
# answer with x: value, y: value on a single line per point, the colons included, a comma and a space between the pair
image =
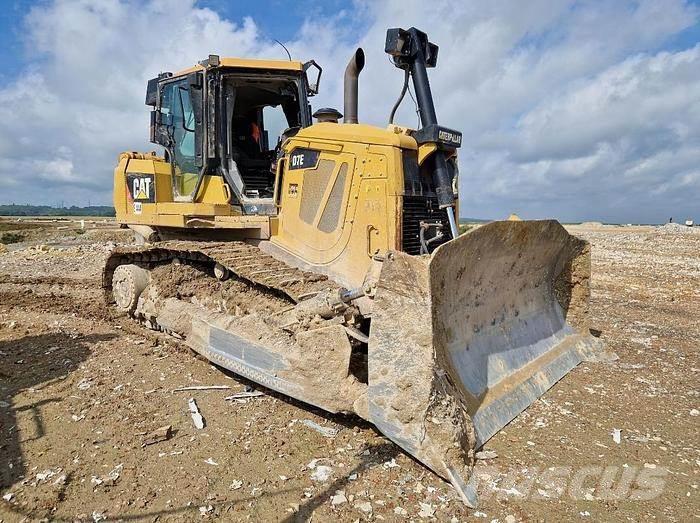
x: 81, y: 388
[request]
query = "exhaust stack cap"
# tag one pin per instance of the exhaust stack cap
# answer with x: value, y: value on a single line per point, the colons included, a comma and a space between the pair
x: 327, y: 114
x: 352, y: 71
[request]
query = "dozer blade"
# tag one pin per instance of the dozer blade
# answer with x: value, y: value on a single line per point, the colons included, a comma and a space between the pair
x: 463, y: 341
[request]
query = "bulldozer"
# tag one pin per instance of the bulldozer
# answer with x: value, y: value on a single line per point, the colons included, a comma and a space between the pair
x: 323, y: 260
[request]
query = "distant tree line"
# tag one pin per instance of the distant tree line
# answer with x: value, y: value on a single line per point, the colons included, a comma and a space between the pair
x: 45, y: 210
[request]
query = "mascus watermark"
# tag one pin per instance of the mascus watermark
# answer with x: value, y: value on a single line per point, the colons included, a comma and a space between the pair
x: 589, y: 483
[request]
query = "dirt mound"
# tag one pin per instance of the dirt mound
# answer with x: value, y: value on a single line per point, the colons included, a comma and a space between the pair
x: 110, y: 235
x: 677, y: 228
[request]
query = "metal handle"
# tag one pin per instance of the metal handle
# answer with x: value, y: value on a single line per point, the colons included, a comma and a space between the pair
x: 278, y: 181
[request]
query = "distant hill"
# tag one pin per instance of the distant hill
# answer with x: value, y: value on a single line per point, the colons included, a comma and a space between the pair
x: 45, y: 210
x: 473, y: 220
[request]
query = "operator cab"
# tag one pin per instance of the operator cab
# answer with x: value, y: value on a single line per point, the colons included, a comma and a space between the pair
x: 229, y: 117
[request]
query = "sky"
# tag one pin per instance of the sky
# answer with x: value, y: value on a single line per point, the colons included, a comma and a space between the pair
x: 570, y: 109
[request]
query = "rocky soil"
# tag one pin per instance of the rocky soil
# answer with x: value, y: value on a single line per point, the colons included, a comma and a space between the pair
x: 84, y: 392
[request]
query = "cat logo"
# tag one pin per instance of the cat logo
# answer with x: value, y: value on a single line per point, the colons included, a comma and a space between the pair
x: 141, y: 187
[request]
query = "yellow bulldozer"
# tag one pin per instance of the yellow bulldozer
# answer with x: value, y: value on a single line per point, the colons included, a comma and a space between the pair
x: 324, y: 261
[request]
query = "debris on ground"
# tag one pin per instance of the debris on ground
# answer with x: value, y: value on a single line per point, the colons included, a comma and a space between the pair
x: 328, y: 432
x: 486, y: 454
x: 110, y: 479
x: 426, y: 510
x: 197, y: 418
x: 339, y: 498
x: 243, y: 397
x: 321, y: 473
x: 616, y: 435
x: 84, y: 384
x: 160, y: 434
x: 202, y: 387
x: 391, y: 464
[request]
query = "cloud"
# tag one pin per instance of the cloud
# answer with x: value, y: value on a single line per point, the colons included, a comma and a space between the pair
x: 569, y: 109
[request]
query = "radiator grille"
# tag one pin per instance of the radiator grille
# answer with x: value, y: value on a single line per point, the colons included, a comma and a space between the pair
x: 312, y: 189
x: 415, y: 210
x: 329, y: 218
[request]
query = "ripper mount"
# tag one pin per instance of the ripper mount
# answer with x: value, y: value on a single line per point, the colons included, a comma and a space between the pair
x: 413, y: 52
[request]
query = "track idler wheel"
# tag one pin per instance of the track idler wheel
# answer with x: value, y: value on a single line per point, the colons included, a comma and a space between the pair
x: 128, y: 282
x: 221, y: 272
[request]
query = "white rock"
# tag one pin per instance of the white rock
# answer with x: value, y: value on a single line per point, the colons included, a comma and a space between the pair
x: 486, y: 454
x: 8, y: 497
x: 426, y: 510
x: 339, y: 498
x: 510, y: 518
x: 400, y: 511
x: 616, y: 435
x: 321, y: 473
x: 197, y: 418
x: 391, y: 464
x: 46, y: 474
x: 695, y: 412
x: 364, y: 507
x: 236, y: 484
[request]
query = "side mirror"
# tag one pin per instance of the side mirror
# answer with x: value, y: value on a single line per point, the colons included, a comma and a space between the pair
x: 158, y: 128
x: 312, y: 86
x: 152, y: 92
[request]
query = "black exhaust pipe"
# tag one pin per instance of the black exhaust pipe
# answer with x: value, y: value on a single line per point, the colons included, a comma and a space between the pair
x: 352, y: 71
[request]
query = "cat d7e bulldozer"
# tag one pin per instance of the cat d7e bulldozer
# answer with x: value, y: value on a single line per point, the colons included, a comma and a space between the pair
x: 323, y: 259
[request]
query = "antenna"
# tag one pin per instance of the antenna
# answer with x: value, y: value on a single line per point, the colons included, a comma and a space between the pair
x: 283, y: 47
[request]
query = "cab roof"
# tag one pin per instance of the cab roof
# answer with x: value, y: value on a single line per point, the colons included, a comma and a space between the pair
x: 248, y: 63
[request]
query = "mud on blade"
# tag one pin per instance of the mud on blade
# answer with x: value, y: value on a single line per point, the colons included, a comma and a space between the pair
x: 464, y: 341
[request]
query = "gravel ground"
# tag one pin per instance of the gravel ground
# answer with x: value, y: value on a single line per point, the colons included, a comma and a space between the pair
x: 82, y: 389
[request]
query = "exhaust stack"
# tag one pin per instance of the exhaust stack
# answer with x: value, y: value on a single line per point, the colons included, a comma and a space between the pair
x: 352, y: 71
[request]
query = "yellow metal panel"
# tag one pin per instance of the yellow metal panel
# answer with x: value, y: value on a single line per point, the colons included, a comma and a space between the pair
x: 214, y: 190
x: 358, y: 133
x: 194, y: 209
x: 425, y: 150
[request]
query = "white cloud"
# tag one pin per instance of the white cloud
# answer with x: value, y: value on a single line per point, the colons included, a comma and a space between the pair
x: 569, y: 109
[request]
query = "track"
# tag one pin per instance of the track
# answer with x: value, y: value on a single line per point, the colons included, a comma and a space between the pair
x: 244, y: 260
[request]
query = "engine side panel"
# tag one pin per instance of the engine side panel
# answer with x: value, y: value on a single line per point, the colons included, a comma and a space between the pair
x: 339, y: 204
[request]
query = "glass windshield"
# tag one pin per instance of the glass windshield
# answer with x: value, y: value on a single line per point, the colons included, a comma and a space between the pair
x: 275, y: 123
